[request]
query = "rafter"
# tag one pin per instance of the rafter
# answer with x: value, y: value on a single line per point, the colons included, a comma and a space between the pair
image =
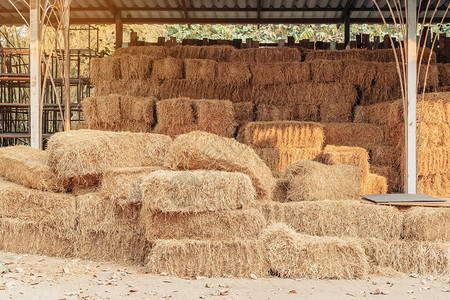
x: 346, y: 9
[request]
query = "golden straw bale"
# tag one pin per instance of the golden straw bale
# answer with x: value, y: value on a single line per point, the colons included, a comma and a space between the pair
x: 392, y: 176
x: 123, y: 125
x: 427, y: 224
x: 200, y: 69
x: 318, y: 93
x: 81, y: 125
x: 283, y: 134
x: 31, y: 237
x: 326, y: 70
x: 293, y: 255
x: 374, y: 184
x: 217, y: 225
x: 264, y: 74
x: 137, y: 109
x: 433, y: 109
x: 105, y: 69
x: 175, y: 116
x: 296, y: 72
x: 266, y: 112
x: 209, y: 258
x: 135, y: 67
x: 155, y: 52
x: 244, y: 112
x: 266, y: 55
x: 383, y: 155
x: 167, y: 68
x: 358, y: 73
x: 234, y: 74
x: 28, y: 166
x: 337, y: 218
x: 336, y: 112
x: 238, y: 94
x: 201, y: 150
x: 139, y: 88
x: 274, y: 94
x: 90, y: 112
x: 108, y: 109
x: 312, y: 181
x: 423, y: 258
x: 428, y: 77
x: 218, y: 53
x: 308, y: 112
x: 433, y: 161
x: 51, y: 209
x: 215, y: 116
x: 437, y: 185
x: 444, y: 74
x: 123, y: 185
x: 278, y: 159
x: 191, y: 89
x: 353, y: 134
x: 89, y: 152
x: 195, y: 191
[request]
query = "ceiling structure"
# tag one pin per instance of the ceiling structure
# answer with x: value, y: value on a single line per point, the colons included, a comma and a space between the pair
x: 222, y: 11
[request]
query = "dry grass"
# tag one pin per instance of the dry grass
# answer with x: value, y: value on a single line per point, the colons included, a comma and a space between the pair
x: 265, y: 74
x: 266, y: 55
x: 353, y: 134
x: 234, y: 74
x: 444, y: 74
x: 296, y: 72
x: 82, y: 153
x: 196, y: 191
x: 308, y: 112
x: 209, y: 258
x: 155, y: 52
x: 318, y: 93
x: 105, y: 69
x: 433, y: 160
x: 217, y: 53
x: 391, y: 174
x: 244, y: 112
x: 201, y: 150
x: 137, y: 109
x: 283, y: 134
x: 434, y: 185
x: 382, y: 155
x: 279, y: 192
x: 278, y: 159
x: 135, y: 67
x: 358, y: 73
x: 200, y: 69
x: 217, y: 225
x: 167, y: 68
x: 427, y: 224
x: 175, y: 116
x: 336, y: 112
x: 27, y: 166
x: 326, y: 70
x: 312, y: 181
x: 374, y: 184
x: 215, y: 116
x: 293, y: 255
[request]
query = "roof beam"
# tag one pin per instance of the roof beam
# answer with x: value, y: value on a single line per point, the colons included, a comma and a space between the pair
x: 259, y: 11
x: 186, y: 13
x: 112, y: 9
x: 346, y: 9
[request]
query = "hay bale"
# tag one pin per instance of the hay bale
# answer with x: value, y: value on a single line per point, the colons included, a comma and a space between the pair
x: 82, y: 153
x: 374, y: 184
x: 123, y: 185
x: 105, y: 69
x: 283, y: 134
x: 293, y: 255
x: 234, y: 74
x: 31, y: 237
x: 167, y: 68
x: 424, y: 258
x: 296, y: 72
x: 337, y: 218
x: 244, y: 112
x: 201, y: 150
x: 139, y: 109
x: 444, y: 74
x: 312, y: 181
x: 264, y: 74
x: 155, y: 52
x: 280, y: 190
x: 27, y: 166
x: 437, y: 185
x: 278, y: 159
x: 196, y: 191
x: 267, y: 113
x: 135, y: 67
x: 209, y: 258
x: 433, y: 161
x: 326, y: 70
x: 266, y: 55
x: 194, y: 90
x: 319, y: 93
x: 217, y: 53
x: 122, y: 126
x: 336, y: 112
x: 175, y: 116
x: 382, y: 155
x: 200, y: 69
x: 359, y: 73
x: 392, y: 176
x: 427, y: 224
x: 273, y: 94
x: 217, y: 225
x: 215, y: 116
x: 308, y: 113
x: 353, y: 134
x: 360, y: 114
x: 46, y: 208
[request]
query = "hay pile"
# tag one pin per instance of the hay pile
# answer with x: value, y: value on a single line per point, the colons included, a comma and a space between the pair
x: 167, y: 68
x: 296, y: 72
x: 201, y: 150
x: 444, y: 74
x: 265, y: 74
x: 427, y: 224
x: 155, y: 52
x: 266, y: 55
x: 278, y: 159
x: 209, y: 258
x: 217, y: 53
x: 233, y: 73
x: 28, y: 167
x: 135, y: 67
x: 312, y: 181
x: 200, y: 69
x: 83, y: 154
x: 353, y: 134
x: 299, y: 256
x: 105, y: 69
x: 244, y: 112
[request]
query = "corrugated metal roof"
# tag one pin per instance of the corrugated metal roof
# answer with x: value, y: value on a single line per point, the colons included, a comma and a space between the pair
x: 217, y: 11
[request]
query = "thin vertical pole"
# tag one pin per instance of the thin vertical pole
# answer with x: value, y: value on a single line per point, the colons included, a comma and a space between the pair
x: 35, y: 76
x: 411, y: 150
x: 67, y: 112
x: 346, y: 29
x: 119, y: 30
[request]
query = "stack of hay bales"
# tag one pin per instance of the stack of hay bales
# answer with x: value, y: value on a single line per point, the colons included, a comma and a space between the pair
x: 183, y: 115
x: 282, y: 143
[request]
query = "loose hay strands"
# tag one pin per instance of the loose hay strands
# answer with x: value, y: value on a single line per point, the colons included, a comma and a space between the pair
x: 234, y: 74
x: 218, y: 225
x: 424, y: 258
x: 374, y: 184
x: 27, y: 166
x: 209, y: 258
x: 167, y: 68
x: 279, y: 159
x: 196, y: 191
x: 201, y: 150
x: 88, y: 152
x: 46, y: 208
x: 355, y: 156
x: 135, y: 67
x: 280, y: 191
x: 32, y: 237
x: 283, y: 134
x: 427, y: 224
x: 337, y: 218
x: 215, y: 116
x: 353, y: 134
x: 312, y: 181
x: 123, y: 185
x: 293, y: 255
x: 200, y: 69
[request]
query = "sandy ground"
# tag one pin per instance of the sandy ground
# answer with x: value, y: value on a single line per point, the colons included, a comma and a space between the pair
x: 40, y: 277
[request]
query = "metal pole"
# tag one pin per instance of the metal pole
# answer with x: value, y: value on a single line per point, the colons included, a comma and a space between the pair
x: 346, y: 29
x: 411, y: 155
x: 35, y: 76
x: 67, y: 112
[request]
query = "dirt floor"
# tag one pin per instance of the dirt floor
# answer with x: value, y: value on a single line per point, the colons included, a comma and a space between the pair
x: 40, y: 277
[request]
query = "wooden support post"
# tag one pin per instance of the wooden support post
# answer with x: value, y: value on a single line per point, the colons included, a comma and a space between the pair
x: 346, y: 29
x: 119, y: 30
x: 67, y: 112
x: 35, y: 75
x: 411, y: 155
